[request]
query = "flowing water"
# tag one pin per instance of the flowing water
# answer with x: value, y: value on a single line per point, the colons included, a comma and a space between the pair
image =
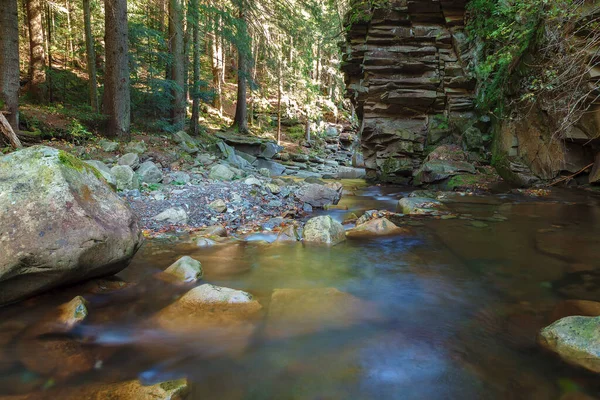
x: 449, y: 311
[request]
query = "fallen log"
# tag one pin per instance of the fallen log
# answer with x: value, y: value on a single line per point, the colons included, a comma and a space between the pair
x: 9, y: 133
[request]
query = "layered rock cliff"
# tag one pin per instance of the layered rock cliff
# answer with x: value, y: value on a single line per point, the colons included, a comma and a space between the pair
x: 405, y: 67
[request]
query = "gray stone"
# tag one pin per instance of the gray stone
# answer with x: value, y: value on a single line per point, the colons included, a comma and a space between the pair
x: 108, y: 146
x: 130, y: 159
x: 270, y: 149
x: 273, y: 188
x: 265, y: 172
x: 125, y: 178
x: 186, y: 269
x: 218, y: 205
x: 136, y: 147
x: 275, y: 168
x: 252, y: 181
x: 246, y: 156
x: 185, y: 142
x: 179, y: 177
x: 324, y: 230
x: 172, y: 216
x: 221, y: 172
x: 358, y: 161
x: 318, y: 196
x: 149, y: 173
x: 104, y: 171
x: 420, y: 206
x: 60, y: 223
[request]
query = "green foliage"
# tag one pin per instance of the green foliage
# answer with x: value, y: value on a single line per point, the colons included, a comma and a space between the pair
x: 508, y: 30
x: 440, y: 122
x: 296, y: 132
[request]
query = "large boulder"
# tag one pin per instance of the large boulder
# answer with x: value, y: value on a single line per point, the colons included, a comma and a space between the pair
x: 104, y: 171
x: 444, y: 162
x: 59, y: 223
x: 324, y: 230
x: 319, y: 195
x: 575, y: 339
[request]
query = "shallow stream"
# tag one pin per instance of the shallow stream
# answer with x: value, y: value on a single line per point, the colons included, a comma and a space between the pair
x: 449, y: 311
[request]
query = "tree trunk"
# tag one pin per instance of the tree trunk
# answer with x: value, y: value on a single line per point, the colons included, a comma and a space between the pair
x: 8, y: 131
x: 9, y: 61
x: 37, y: 54
x: 217, y: 71
x: 177, y: 62
x: 117, y: 92
x: 196, y: 67
x: 49, y: 32
x: 279, y: 102
x: 91, y: 56
x: 240, y: 120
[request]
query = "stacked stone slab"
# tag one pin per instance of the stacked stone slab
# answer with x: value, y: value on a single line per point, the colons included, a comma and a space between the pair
x: 404, y: 66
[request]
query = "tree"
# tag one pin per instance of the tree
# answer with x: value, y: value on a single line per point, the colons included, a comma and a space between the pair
x: 91, y: 56
x: 176, y: 35
x: 195, y: 20
x: 116, y: 87
x: 9, y: 61
x: 37, y: 56
x: 240, y: 121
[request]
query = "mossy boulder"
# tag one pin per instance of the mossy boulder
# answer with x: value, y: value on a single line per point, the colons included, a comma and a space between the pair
x: 575, y: 339
x: 60, y: 223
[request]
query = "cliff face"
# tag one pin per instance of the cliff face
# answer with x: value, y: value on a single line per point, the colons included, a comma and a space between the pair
x: 405, y: 67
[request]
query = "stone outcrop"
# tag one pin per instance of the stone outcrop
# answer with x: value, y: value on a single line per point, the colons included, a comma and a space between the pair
x: 405, y: 72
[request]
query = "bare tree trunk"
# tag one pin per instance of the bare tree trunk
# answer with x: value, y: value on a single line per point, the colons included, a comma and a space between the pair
x: 240, y: 120
x: 37, y: 55
x: 279, y: 102
x: 91, y: 56
x: 177, y: 63
x: 70, y: 50
x: 8, y: 131
x: 196, y: 67
x: 117, y: 92
x: 50, y: 31
x: 217, y: 71
x: 9, y: 61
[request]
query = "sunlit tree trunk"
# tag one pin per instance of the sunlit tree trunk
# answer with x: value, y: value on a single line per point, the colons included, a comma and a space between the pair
x: 196, y: 66
x: 177, y: 62
x: 116, y: 88
x: 217, y: 70
x: 91, y: 56
x: 279, y: 83
x: 9, y: 61
x: 37, y: 54
x: 241, y: 109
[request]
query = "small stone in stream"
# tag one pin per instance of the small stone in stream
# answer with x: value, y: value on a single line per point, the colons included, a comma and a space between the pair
x: 205, y: 242
x: 479, y: 224
x: 273, y: 188
x: 575, y: 339
x: 288, y: 234
x: 214, y: 230
x: 104, y: 171
x: 172, y: 216
x: 185, y: 141
x: 252, y: 181
x: 218, y: 205
x: 130, y: 159
x: 149, y: 173
x: 221, y: 172
x: 136, y: 147
x: 350, y: 219
x: 307, y: 208
x: 265, y: 172
x: 108, y: 146
x: 125, y: 178
x: 376, y: 227
x: 186, y: 269
x: 419, y: 206
x: 324, y: 230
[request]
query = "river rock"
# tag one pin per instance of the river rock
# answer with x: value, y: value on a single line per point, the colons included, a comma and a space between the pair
x: 218, y: 205
x: 273, y: 188
x: 131, y: 390
x: 252, y: 181
x: 108, y: 146
x: 420, y: 206
x: 186, y: 269
x: 104, y: 171
x: 149, y: 173
x: 576, y: 340
x: 172, y: 216
x: 125, y: 178
x: 288, y: 234
x: 224, y: 318
x: 376, y: 227
x: 296, y: 312
x: 185, y: 142
x: 325, y: 230
x: 276, y: 169
x: 318, y: 195
x: 59, y: 223
x: 221, y: 172
x: 130, y: 159
x: 136, y: 147
x: 179, y: 178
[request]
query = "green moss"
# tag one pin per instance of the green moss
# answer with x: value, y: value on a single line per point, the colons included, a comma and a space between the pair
x: 460, y: 181
x: 73, y: 162
x: 180, y: 384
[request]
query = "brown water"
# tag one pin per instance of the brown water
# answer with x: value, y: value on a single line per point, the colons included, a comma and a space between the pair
x: 455, y: 310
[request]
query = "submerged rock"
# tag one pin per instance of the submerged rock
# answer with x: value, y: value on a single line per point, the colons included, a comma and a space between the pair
x: 59, y: 223
x: 575, y: 339
x: 376, y: 227
x: 325, y: 230
x: 131, y: 390
x: 186, y: 269
x: 420, y: 206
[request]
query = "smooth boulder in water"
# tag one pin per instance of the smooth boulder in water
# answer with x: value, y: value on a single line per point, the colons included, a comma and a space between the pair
x: 575, y: 339
x: 324, y: 230
x: 376, y: 227
x: 60, y: 223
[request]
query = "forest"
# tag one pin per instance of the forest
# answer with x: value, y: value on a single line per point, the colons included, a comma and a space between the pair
x: 162, y: 66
